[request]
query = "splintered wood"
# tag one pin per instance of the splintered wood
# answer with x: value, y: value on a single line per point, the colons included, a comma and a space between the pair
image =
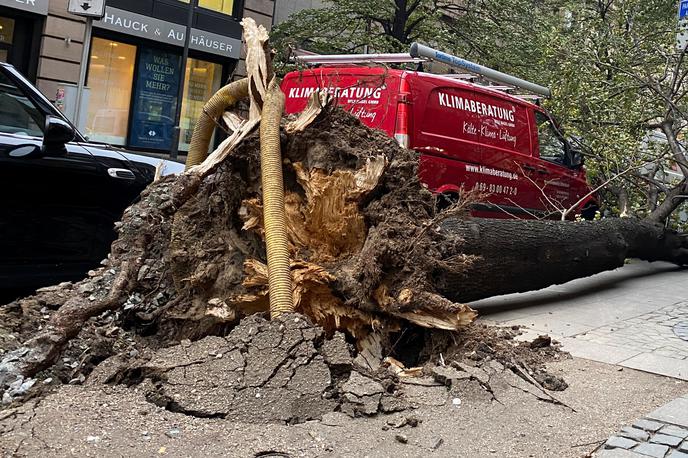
x: 326, y: 223
x: 313, y: 297
x: 326, y: 226
x: 257, y: 64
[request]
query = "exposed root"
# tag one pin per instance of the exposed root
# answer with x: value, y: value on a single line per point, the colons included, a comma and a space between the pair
x: 43, y: 350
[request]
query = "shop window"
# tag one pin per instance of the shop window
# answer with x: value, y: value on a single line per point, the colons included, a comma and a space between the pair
x: 155, y: 99
x: 6, y: 34
x: 110, y: 79
x: 6, y: 30
x: 202, y: 80
x: 221, y: 6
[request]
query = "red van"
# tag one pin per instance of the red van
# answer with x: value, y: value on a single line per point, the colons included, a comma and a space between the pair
x: 468, y: 136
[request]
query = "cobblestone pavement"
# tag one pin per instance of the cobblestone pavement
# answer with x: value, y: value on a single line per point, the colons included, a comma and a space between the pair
x: 661, y: 434
x: 635, y: 316
x: 661, y: 332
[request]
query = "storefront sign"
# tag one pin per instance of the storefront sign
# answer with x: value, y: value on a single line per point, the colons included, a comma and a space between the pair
x: 32, y: 6
x: 155, y: 100
x: 167, y: 32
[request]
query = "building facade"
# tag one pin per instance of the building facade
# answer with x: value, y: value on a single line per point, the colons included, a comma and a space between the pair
x: 285, y: 8
x: 134, y: 62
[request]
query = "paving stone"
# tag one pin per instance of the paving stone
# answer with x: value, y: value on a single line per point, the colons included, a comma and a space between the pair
x: 671, y: 441
x: 648, y: 425
x: 684, y: 446
x: 619, y: 442
x: 634, y: 433
x: 672, y: 430
x: 616, y: 453
x: 681, y: 330
x: 654, y: 450
x: 591, y: 349
x: 675, y: 412
x: 677, y: 454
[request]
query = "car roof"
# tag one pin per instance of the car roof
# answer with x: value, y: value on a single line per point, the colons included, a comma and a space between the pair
x: 101, y: 149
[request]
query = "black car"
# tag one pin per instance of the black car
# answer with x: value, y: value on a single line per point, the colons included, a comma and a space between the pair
x: 60, y: 195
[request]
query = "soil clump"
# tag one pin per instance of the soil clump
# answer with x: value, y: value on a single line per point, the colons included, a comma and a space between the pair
x: 186, y: 277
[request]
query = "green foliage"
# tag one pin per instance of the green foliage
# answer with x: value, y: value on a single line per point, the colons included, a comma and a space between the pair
x: 615, y: 68
x: 610, y: 63
x: 352, y: 26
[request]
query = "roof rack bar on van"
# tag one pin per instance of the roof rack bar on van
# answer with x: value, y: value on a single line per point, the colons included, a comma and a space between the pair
x: 501, y: 88
x: 421, y: 51
x: 460, y: 76
x: 528, y: 96
x: 356, y: 58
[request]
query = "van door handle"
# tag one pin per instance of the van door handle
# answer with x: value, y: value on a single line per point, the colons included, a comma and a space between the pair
x: 530, y: 168
x: 122, y: 174
x: 543, y: 171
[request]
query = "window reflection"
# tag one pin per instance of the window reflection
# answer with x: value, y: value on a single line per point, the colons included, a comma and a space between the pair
x: 6, y: 35
x: 111, y: 116
x: 201, y: 81
x: 551, y: 145
x: 110, y: 79
x: 18, y: 115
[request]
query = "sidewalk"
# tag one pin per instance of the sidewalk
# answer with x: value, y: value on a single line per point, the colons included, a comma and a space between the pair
x: 662, y: 433
x: 635, y: 316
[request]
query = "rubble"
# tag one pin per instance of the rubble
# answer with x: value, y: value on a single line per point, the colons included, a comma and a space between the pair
x: 362, y: 394
x: 176, y: 310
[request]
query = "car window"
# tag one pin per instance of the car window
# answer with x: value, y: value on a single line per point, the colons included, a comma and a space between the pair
x: 18, y: 114
x: 551, y: 145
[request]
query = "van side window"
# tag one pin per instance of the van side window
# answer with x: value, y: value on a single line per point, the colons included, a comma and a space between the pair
x: 551, y: 145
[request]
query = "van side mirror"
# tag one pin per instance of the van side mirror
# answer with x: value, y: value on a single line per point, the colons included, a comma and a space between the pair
x: 575, y: 155
x: 576, y: 158
x: 56, y: 134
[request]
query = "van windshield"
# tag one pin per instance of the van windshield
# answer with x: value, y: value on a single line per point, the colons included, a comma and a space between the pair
x: 552, y: 146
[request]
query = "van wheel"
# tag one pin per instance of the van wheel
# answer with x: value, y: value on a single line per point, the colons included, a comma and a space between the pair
x: 446, y: 200
x: 588, y: 212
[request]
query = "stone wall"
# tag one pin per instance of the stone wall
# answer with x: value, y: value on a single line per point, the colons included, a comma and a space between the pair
x: 61, y: 47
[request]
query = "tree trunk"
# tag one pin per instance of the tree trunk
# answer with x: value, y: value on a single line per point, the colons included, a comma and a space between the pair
x: 516, y: 255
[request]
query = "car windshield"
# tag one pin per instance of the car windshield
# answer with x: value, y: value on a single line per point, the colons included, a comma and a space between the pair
x: 18, y: 114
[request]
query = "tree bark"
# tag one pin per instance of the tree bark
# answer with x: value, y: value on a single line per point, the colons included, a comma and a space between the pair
x: 517, y: 256
x: 671, y: 201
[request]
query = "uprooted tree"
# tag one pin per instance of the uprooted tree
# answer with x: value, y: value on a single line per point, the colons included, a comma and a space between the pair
x: 368, y: 252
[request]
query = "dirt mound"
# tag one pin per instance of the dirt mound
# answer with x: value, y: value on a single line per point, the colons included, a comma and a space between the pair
x: 189, y: 266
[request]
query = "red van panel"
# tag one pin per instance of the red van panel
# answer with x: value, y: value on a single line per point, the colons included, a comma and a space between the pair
x: 464, y: 134
x: 369, y: 94
x: 440, y: 126
x: 468, y: 137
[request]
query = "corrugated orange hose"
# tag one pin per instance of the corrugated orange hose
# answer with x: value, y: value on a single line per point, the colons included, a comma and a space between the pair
x: 224, y: 98
x: 279, y: 274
